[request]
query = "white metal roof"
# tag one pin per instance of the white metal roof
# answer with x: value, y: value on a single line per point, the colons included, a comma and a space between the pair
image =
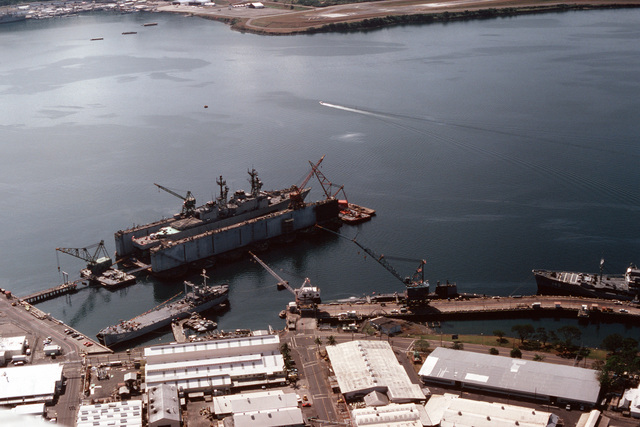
x: 405, y: 415
x: 213, y: 348
x: 213, y: 364
x: 281, y: 417
x: 517, y: 375
x: 450, y: 410
x: 363, y: 366
x: 29, y: 383
x: 126, y: 413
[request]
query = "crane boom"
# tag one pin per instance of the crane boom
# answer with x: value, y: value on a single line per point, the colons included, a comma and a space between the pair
x: 281, y: 281
x: 418, y: 276
x: 98, y: 260
x: 296, y: 192
x: 189, y: 204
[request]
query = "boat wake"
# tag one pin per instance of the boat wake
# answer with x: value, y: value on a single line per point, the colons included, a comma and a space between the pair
x: 624, y: 196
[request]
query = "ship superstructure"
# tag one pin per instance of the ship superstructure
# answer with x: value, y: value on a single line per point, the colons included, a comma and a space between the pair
x: 216, y: 214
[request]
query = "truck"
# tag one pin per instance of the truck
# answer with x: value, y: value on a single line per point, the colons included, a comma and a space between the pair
x: 52, y: 350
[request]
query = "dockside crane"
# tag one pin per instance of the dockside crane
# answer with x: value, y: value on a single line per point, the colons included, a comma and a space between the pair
x: 97, y: 262
x: 305, y: 295
x: 417, y: 288
x: 189, y: 202
x: 296, y: 191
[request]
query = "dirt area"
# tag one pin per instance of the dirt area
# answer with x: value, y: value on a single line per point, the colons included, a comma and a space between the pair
x: 278, y: 19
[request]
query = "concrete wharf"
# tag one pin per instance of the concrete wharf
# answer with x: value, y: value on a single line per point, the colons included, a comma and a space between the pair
x: 56, y: 291
x: 535, y: 306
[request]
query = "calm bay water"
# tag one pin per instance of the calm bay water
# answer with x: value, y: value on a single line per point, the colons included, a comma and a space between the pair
x: 488, y: 148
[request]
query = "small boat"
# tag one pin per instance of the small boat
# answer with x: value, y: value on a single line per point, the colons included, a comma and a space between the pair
x: 96, y: 38
x: 129, y: 32
x: 150, y: 24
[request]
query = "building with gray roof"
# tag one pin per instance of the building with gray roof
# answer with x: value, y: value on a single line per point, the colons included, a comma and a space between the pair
x: 514, y: 377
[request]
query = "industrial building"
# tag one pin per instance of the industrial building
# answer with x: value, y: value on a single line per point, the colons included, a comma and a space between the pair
x: 30, y: 384
x: 260, y: 409
x: 121, y: 413
x: 631, y: 402
x: 365, y: 366
x: 404, y: 415
x: 450, y: 410
x: 164, y: 406
x: 10, y: 347
x: 513, y: 377
x: 217, y: 365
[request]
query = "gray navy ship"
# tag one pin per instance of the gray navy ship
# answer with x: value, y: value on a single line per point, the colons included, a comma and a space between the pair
x: 200, y: 298
x: 220, y: 213
x: 619, y: 287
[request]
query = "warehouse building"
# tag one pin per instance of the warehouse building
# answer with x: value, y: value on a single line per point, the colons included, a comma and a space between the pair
x: 450, y: 410
x: 10, y: 347
x: 558, y: 384
x: 260, y: 409
x: 164, y: 406
x: 221, y: 364
x: 121, y: 413
x: 403, y: 415
x: 30, y: 384
x: 365, y: 366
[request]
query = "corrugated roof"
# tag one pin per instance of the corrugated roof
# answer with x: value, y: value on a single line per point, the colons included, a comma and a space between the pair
x: 29, y: 381
x: 505, y: 373
x: 371, y: 365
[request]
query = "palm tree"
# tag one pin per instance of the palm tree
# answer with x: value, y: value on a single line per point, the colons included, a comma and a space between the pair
x: 318, y: 342
x: 332, y: 340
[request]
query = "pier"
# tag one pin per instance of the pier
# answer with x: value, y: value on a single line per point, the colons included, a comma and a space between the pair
x: 65, y: 288
x: 535, y: 306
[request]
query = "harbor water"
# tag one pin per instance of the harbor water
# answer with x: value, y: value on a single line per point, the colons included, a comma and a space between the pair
x: 488, y: 148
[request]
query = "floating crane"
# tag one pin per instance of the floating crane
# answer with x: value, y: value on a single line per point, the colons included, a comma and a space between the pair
x: 349, y: 213
x: 296, y: 191
x: 417, y: 288
x: 189, y: 204
x: 97, y: 262
x: 304, y: 295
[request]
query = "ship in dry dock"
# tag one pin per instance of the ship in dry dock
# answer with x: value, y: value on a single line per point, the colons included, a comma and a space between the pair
x: 199, y: 299
x: 223, y: 225
x: 591, y: 285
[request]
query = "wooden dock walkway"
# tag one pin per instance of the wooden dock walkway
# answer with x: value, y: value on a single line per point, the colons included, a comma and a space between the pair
x: 56, y: 291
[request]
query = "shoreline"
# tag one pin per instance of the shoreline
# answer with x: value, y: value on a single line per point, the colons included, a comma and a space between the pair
x: 276, y: 19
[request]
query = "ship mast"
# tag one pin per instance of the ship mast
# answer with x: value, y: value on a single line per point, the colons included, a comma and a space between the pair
x: 256, y: 184
x: 224, y: 191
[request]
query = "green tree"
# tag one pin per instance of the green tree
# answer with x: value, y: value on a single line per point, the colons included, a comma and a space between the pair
x: 500, y: 334
x: 523, y: 331
x: 568, y: 335
x: 493, y: 351
x: 285, y: 350
x: 457, y: 345
x: 612, y: 343
x: 516, y: 353
x: 538, y: 357
x: 542, y: 336
x: 332, y: 340
x: 421, y: 345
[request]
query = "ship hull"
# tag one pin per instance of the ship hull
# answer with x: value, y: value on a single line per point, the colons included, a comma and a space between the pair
x: 575, y: 284
x: 228, y: 240
x: 113, y: 338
